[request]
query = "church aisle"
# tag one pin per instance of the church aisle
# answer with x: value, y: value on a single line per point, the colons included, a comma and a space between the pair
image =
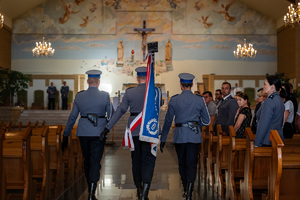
x: 116, y: 182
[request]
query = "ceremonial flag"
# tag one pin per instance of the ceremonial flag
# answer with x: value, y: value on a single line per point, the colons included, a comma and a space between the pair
x: 149, y: 130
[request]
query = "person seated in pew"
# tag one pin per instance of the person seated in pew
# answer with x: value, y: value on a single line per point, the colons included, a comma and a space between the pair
x: 298, y: 119
x: 271, y: 114
x: 210, y: 104
x: 243, y: 115
x: 261, y: 97
x: 288, y: 128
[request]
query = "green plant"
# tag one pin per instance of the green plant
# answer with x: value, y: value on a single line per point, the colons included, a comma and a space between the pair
x: 12, y: 82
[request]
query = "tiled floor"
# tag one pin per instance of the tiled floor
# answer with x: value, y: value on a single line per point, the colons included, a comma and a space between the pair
x: 116, y: 182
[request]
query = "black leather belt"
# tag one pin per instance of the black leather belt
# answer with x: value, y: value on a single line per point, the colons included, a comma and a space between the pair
x: 134, y: 114
x: 98, y: 117
x: 181, y: 125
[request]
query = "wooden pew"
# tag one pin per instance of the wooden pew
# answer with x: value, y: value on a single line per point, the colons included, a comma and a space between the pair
x: 285, y: 169
x: 40, y: 158
x: 56, y: 164
x: 211, y: 158
x: 68, y: 161
x: 18, y: 165
x: 221, y: 161
x: 256, y: 167
x: 204, y: 149
x: 78, y: 157
x: 2, y: 172
x: 8, y: 126
x: 236, y: 160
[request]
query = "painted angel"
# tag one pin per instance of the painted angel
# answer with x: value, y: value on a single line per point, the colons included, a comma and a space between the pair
x: 198, y: 5
x: 94, y: 7
x: 86, y: 21
x: 224, y: 12
x: 173, y: 4
x: 214, y: 1
x: 204, y: 22
x: 68, y: 12
x: 79, y: 2
x: 114, y: 3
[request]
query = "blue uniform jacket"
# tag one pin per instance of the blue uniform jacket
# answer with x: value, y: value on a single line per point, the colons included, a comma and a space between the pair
x: 133, y: 98
x: 91, y: 100
x: 51, y: 89
x: 270, y: 116
x: 185, y: 107
x: 64, y: 90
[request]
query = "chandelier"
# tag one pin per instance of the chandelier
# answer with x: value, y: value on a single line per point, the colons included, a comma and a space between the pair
x: 244, y: 50
x: 293, y: 16
x: 1, y: 20
x: 42, y: 48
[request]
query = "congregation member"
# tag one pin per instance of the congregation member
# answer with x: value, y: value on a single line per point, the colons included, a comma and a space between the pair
x: 51, y: 96
x: 298, y: 119
x: 197, y: 92
x: 95, y: 109
x: 187, y: 108
x: 226, y: 109
x: 143, y: 161
x: 64, y: 90
x: 293, y: 99
x: 218, y: 96
x: 211, y: 106
x: 271, y: 114
x: 243, y: 115
x: 261, y: 96
x: 288, y: 128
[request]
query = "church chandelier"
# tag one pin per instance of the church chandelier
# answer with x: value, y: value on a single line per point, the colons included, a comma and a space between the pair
x: 1, y: 20
x: 245, y: 50
x: 43, y: 48
x: 292, y: 17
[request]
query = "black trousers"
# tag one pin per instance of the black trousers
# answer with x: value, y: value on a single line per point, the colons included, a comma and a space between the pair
x: 143, y: 162
x: 92, y: 151
x: 64, y: 103
x: 288, y: 130
x: 51, y: 103
x: 187, y: 154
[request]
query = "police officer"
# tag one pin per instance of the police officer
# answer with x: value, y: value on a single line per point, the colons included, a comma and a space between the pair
x: 64, y: 90
x: 51, y: 96
x: 143, y: 161
x: 95, y: 109
x: 270, y: 116
x: 187, y: 109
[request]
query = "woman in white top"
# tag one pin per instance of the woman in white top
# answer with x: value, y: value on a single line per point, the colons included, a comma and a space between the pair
x: 288, y: 128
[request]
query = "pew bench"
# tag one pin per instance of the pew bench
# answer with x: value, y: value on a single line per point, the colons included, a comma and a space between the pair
x: 211, y: 158
x: 18, y: 166
x: 204, y: 149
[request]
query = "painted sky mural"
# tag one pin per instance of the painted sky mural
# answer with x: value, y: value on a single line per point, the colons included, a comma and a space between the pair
x: 199, y: 30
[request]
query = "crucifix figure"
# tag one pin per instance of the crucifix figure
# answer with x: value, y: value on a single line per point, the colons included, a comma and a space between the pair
x: 144, y: 32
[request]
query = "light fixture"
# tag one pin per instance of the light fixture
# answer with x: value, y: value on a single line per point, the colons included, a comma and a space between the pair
x: 293, y: 16
x: 42, y: 48
x: 244, y: 50
x: 1, y: 20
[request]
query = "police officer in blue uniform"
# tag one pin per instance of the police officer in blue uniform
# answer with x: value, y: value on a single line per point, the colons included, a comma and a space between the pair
x: 270, y: 116
x: 143, y: 161
x: 187, y: 109
x: 51, y: 96
x: 95, y: 109
x: 64, y: 90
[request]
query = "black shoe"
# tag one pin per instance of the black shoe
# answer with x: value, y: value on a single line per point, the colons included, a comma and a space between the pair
x: 184, y: 189
x: 190, y: 187
x: 92, y: 190
x: 139, y: 190
x: 145, y: 191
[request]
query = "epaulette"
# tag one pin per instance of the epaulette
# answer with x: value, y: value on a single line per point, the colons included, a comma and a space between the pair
x: 130, y: 88
x: 80, y: 91
x: 271, y: 96
x: 174, y: 95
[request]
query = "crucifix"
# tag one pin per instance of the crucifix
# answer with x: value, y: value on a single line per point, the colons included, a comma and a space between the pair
x: 144, y: 32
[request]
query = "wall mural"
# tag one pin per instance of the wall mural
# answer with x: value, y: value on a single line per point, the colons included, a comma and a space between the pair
x: 91, y: 30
